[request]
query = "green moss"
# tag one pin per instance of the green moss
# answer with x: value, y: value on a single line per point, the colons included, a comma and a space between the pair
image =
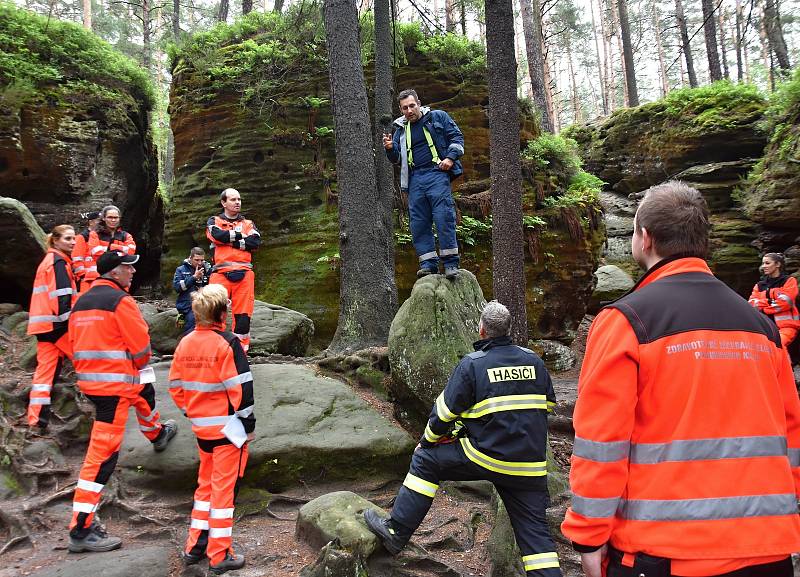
x: 38, y: 53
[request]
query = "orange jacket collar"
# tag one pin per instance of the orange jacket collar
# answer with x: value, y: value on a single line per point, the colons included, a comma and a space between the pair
x: 670, y: 266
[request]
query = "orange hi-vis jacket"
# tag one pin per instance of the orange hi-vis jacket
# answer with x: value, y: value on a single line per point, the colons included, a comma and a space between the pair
x: 210, y: 381
x: 687, y: 428
x: 233, y: 241
x: 110, y: 341
x: 100, y: 242
x: 53, y: 294
x: 779, y: 302
x: 79, y: 255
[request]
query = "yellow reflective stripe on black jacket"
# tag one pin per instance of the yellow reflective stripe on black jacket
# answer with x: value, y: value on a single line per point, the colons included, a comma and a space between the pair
x: 505, y: 403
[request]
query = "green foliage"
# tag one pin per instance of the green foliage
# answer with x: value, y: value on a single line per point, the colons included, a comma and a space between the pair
x: 38, y: 53
x: 471, y: 229
x: 456, y: 52
x: 530, y: 221
x: 554, y: 153
x: 719, y: 106
x: 410, y: 33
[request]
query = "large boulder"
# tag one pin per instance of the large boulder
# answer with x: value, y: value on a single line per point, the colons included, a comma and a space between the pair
x: 338, y: 516
x: 75, y: 131
x: 430, y: 333
x: 308, y: 426
x: 612, y: 283
x: 273, y: 329
x: 276, y: 329
x: 23, y: 244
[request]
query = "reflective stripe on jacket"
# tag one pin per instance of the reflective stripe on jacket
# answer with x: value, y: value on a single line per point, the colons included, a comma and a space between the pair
x: 53, y: 294
x: 779, y: 303
x: 233, y: 240
x: 499, y: 396
x: 100, y: 242
x: 210, y: 381
x: 110, y: 340
x: 687, y: 427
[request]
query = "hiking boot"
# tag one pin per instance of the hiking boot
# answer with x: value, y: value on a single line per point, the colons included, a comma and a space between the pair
x: 96, y: 540
x: 425, y: 271
x: 231, y: 562
x: 390, y: 537
x: 191, y: 558
x: 451, y: 272
x: 168, y: 430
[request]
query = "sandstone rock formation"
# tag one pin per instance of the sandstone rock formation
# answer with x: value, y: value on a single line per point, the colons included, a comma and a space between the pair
x: 306, y: 425
x: 276, y: 147
x: 612, y: 283
x: 23, y: 244
x: 708, y: 137
x: 75, y: 135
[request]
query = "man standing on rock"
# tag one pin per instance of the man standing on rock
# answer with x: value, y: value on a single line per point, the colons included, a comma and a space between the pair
x: 111, y: 344
x: 687, y: 425
x: 234, y: 238
x: 488, y: 423
x: 428, y: 145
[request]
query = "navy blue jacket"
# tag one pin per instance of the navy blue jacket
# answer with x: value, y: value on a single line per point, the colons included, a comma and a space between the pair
x: 446, y: 136
x: 185, y: 284
x: 497, y: 398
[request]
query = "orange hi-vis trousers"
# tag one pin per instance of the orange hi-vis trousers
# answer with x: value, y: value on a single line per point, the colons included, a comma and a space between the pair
x: 49, y: 358
x: 103, y: 452
x: 221, y: 467
x: 242, y: 294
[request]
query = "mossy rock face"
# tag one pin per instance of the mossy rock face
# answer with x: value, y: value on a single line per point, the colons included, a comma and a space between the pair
x: 433, y: 329
x: 638, y: 147
x: 279, y: 153
x: 772, y: 194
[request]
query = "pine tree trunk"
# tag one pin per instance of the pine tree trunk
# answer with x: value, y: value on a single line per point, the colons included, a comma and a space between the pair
x: 176, y: 18
x: 146, y: 32
x: 687, y: 47
x: 222, y: 13
x: 247, y: 6
x: 532, y: 29
x: 600, y: 72
x: 548, y: 91
x: 627, y: 51
x: 87, y: 14
x: 366, y: 303
x: 450, y: 16
x: 739, y: 30
x: 620, y: 49
x: 278, y: 7
x: 722, y: 46
x: 463, y: 12
x: 608, y: 58
x: 508, y: 265
x: 710, y: 32
x: 662, y: 67
x: 577, y: 115
x: 384, y: 102
x: 777, y: 43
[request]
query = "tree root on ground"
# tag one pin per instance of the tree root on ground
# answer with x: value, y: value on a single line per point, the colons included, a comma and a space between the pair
x: 15, y: 525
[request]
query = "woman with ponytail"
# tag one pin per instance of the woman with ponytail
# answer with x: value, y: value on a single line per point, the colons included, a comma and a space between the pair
x: 775, y: 295
x: 51, y: 302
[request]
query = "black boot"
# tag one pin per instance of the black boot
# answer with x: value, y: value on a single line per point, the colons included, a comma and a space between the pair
x: 393, y: 536
x: 231, y: 562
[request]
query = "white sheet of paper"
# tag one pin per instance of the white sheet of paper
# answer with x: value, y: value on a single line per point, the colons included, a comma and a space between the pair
x: 234, y: 431
x: 147, y: 375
